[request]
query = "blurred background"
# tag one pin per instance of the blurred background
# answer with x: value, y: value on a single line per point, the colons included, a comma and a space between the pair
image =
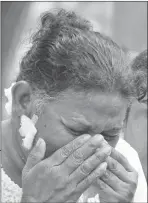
x: 124, y: 22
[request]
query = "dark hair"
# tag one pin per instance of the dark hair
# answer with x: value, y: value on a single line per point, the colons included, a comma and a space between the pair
x: 140, y: 62
x: 67, y: 53
x: 139, y: 66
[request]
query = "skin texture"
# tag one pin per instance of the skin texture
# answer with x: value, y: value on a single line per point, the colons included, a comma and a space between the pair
x: 63, y: 120
x: 71, y: 171
x: 94, y: 108
x: 119, y: 182
x: 68, y: 175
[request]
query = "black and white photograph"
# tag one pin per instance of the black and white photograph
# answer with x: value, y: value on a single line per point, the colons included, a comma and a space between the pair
x: 73, y: 102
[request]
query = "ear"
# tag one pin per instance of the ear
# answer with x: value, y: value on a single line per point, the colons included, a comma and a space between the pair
x: 21, y: 99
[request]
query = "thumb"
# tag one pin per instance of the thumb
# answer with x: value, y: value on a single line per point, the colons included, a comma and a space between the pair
x: 36, y: 155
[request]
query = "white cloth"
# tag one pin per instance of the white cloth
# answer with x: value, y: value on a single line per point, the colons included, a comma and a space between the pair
x: 12, y: 193
x: 132, y: 156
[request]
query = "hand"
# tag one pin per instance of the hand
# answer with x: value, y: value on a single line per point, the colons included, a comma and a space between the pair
x: 119, y: 182
x: 65, y: 175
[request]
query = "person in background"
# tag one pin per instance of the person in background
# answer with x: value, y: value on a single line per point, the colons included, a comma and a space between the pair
x: 136, y: 129
x: 67, y: 108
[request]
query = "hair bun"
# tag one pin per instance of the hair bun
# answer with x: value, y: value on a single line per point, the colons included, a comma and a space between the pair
x: 63, y: 18
x: 52, y: 23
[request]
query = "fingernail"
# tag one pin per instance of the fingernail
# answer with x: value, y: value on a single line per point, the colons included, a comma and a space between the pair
x: 39, y: 142
x: 108, y: 151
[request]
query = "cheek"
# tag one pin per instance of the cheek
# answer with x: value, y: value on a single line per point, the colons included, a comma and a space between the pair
x: 54, y: 135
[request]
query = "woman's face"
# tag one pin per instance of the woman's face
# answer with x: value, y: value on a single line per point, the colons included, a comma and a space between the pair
x: 104, y: 112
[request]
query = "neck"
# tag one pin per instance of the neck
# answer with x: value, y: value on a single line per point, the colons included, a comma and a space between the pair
x: 13, y: 156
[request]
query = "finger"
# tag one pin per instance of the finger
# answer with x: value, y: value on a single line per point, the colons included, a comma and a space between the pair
x: 61, y: 155
x: 117, y: 169
x: 122, y: 160
x: 90, y: 164
x: 113, y: 181
x: 119, y: 186
x: 36, y: 155
x: 106, y: 193
x: 84, y: 184
x: 82, y: 153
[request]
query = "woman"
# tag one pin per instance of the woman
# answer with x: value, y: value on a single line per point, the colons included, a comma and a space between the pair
x: 73, y: 84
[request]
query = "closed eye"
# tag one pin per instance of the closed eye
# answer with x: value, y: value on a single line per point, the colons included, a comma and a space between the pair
x: 112, y: 132
x: 76, y: 127
x: 110, y: 135
x: 76, y: 132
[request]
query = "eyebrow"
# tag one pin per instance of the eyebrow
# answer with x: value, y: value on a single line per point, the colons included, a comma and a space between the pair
x: 86, y: 127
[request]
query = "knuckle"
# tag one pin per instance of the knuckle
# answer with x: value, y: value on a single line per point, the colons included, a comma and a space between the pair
x: 33, y: 157
x: 66, y: 151
x: 92, y: 144
x: 113, y: 165
x: 107, y: 175
x: 76, y: 144
x: 101, y: 184
x: 102, y: 154
x: 84, y: 169
x: 98, y: 156
x: 78, y: 156
x: 87, y: 181
x: 96, y: 173
x: 79, y: 141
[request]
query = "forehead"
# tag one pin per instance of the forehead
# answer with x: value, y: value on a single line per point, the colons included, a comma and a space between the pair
x: 102, y: 110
